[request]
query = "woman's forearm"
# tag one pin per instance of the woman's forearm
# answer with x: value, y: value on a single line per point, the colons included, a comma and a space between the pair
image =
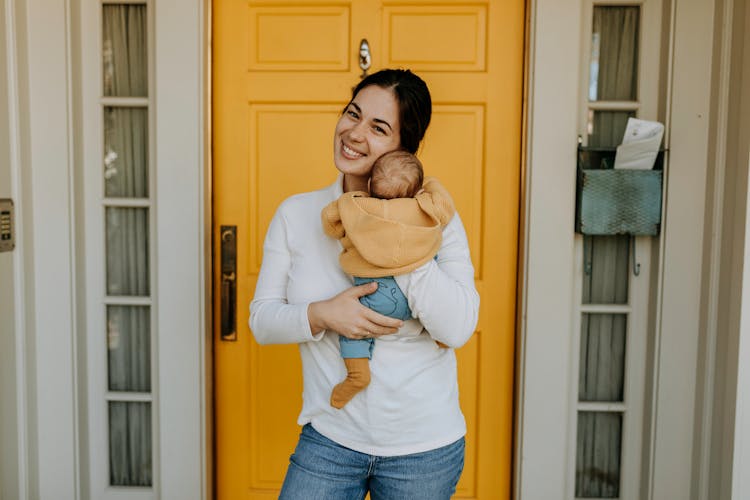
x: 272, y: 319
x: 273, y: 322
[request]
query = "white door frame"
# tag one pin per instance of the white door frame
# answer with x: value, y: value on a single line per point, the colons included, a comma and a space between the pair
x: 546, y: 351
x: 47, y: 357
x: 183, y: 189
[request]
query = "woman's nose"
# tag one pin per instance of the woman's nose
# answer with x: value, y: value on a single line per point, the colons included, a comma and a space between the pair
x: 357, y: 133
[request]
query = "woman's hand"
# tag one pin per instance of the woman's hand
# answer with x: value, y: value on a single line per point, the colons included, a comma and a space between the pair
x: 345, y: 315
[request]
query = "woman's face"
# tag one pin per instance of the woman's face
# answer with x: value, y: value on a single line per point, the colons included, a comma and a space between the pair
x: 368, y: 128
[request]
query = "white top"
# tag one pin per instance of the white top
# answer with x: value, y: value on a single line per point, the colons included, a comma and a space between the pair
x: 411, y: 404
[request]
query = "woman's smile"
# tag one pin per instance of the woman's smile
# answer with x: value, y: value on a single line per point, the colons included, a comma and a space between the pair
x: 350, y: 153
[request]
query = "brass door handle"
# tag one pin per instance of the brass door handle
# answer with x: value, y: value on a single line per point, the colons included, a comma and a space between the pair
x: 228, y: 283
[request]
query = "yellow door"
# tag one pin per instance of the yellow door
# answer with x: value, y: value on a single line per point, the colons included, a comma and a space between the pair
x: 282, y: 72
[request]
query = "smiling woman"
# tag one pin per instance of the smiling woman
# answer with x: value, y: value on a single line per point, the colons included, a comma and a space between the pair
x: 408, y: 418
x: 386, y: 112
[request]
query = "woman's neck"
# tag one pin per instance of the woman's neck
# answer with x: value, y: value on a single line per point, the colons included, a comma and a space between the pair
x: 354, y: 183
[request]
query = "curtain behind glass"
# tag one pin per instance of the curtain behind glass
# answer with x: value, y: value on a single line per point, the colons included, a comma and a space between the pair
x: 126, y: 152
x: 125, y: 53
x: 617, y: 30
x: 602, y: 349
x: 614, y: 70
x: 126, y: 175
x: 603, y: 336
x: 605, y: 280
x: 598, y: 455
x: 127, y: 251
x: 129, y: 347
x: 130, y: 444
x: 608, y: 127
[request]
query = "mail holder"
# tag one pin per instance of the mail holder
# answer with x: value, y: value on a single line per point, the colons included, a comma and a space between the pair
x: 610, y: 201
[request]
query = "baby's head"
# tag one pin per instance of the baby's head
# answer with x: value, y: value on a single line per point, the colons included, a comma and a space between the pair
x: 397, y: 174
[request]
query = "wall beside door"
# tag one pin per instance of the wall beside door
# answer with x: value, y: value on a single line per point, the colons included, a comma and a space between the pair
x: 38, y: 351
x: 726, y: 241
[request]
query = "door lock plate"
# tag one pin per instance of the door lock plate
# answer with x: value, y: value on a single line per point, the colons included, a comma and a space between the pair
x: 7, y: 225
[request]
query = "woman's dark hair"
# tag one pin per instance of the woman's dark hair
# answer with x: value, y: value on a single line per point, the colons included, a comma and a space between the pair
x: 413, y: 98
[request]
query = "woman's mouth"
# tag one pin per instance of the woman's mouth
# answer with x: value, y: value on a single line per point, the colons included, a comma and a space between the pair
x: 350, y: 153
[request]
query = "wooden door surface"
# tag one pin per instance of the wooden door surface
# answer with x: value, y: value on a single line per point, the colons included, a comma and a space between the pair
x: 281, y: 74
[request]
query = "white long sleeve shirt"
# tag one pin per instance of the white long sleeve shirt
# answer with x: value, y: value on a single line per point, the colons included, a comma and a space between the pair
x: 411, y: 404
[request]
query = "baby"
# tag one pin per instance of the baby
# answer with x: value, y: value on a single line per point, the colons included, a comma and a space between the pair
x: 393, y: 230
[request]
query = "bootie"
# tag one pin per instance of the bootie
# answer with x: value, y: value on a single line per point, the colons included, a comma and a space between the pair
x: 357, y: 378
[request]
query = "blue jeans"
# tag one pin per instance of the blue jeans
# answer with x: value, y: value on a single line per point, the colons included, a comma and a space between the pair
x: 320, y: 469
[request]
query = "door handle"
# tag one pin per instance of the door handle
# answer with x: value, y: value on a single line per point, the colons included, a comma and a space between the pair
x: 228, y: 283
x: 365, y: 60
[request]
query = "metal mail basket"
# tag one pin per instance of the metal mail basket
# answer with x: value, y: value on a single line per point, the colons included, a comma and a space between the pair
x: 612, y: 201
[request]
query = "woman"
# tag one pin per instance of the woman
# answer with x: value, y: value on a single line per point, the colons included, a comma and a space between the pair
x: 403, y: 436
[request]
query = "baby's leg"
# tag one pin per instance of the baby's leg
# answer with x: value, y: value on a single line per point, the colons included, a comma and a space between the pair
x: 356, y: 354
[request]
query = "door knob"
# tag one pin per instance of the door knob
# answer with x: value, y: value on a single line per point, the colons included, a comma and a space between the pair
x: 365, y: 60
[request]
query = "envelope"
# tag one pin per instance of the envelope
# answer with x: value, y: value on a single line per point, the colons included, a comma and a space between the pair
x: 640, y: 145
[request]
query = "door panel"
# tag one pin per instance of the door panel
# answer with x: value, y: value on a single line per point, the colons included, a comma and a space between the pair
x: 414, y: 36
x: 282, y: 73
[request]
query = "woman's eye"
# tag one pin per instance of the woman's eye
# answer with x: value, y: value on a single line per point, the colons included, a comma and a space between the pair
x: 352, y: 113
x: 379, y: 130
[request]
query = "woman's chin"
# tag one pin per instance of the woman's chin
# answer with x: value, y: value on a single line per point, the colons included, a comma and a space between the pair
x: 358, y: 167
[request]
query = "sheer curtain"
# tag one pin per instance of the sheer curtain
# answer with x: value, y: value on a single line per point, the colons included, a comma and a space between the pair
x: 602, y: 366
x: 615, y: 39
x: 126, y: 175
x: 606, y: 266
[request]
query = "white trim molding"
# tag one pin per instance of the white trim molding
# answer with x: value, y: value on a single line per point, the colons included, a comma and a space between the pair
x: 14, y: 428
x: 50, y: 300
x: 546, y: 347
x: 677, y: 332
x: 181, y: 177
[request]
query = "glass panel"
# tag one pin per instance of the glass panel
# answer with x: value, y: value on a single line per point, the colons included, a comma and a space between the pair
x: 606, y: 128
x: 126, y: 152
x: 613, y: 70
x: 129, y: 348
x: 130, y: 444
x: 601, y: 372
x: 125, y: 61
x: 598, y: 455
x: 606, y: 265
x: 127, y: 251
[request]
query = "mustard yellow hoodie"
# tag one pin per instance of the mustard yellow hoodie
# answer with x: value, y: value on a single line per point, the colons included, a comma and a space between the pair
x: 388, y: 237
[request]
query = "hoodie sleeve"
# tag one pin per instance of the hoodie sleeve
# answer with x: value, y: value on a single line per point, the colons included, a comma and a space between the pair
x: 330, y: 217
x: 441, y: 294
x: 272, y: 319
x: 436, y: 201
